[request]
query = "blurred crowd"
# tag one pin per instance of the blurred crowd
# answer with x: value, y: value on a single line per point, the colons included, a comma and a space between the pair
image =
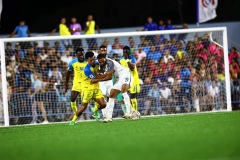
x: 177, y: 74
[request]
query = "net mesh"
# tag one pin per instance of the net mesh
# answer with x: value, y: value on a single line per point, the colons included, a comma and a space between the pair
x: 179, y: 73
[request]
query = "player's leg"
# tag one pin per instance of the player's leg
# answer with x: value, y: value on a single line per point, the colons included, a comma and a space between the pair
x: 43, y: 110
x: 119, y: 98
x: 103, y: 88
x: 76, y: 89
x: 99, y: 98
x: 78, y: 113
x: 113, y: 94
x: 133, y: 93
x: 126, y: 99
x: 73, y: 102
x: 86, y: 97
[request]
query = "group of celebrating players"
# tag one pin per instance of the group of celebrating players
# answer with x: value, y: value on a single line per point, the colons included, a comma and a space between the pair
x: 102, y: 80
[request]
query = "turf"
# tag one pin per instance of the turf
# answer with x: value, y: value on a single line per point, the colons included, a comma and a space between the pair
x: 200, y: 136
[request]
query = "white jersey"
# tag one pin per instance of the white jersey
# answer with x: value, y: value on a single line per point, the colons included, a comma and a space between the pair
x: 119, y: 71
x: 117, y: 67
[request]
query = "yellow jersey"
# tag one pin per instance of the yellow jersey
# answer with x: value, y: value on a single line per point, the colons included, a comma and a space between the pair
x: 78, y: 69
x: 90, y: 73
x: 134, y: 73
x: 91, y: 27
x: 64, y: 30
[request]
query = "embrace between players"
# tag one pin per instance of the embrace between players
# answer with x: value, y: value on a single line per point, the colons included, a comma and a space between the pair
x: 93, y: 79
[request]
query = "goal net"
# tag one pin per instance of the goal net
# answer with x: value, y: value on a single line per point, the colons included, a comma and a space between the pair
x: 180, y: 71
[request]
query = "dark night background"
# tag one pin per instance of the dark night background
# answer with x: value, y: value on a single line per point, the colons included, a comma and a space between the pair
x: 43, y: 15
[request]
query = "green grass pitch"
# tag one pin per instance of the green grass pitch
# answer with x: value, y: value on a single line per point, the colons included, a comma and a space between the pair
x: 214, y: 136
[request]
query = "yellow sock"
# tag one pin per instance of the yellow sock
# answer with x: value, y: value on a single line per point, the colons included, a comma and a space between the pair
x: 75, y: 118
x: 74, y: 106
x: 134, y: 104
x: 95, y: 106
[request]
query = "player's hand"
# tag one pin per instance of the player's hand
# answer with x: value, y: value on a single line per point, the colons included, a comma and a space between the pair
x: 66, y: 89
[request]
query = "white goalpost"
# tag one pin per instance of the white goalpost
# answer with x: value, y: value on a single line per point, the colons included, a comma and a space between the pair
x: 184, y: 71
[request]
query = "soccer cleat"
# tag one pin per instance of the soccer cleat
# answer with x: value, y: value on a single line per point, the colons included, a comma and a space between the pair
x: 45, y: 122
x: 71, y: 123
x: 126, y: 116
x: 107, y: 120
x: 95, y: 114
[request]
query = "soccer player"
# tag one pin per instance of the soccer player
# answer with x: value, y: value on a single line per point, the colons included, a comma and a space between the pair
x: 111, y: 68
x: 129, y: 62
x: 105, y: 86
x: 76, y: 66
x: 90, y: 90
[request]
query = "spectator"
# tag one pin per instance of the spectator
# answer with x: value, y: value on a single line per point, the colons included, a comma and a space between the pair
x: 56, y: 74
x: 9, y: 51
x: 67, y: 57
x: 37, y: 49
x: 19, y: 52
x: 38, y: 99
x: 153, y: 99
x: 22, y: 30
x: 43, y: 55
x: 165, y: 94
x: 234, y: 54
x: 150, y: 26
x: 106, y: 43
x: 75, y: 29
x: 63, y: 31
x: 117, y: 48
x: 140, y: 54
x: 169, y: 26
x: 213, y: 97
x: 161, y: 26
x: 90, y: 27
x: 153, y: 54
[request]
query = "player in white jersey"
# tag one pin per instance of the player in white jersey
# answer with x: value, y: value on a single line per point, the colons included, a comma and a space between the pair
x: 105, y: 86
x: 111, y: 68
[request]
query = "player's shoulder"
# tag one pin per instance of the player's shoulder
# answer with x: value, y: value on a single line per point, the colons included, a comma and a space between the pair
x: 73, y: 61
x: 121, y: 58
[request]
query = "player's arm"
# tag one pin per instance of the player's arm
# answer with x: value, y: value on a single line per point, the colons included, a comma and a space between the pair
x: 131, y: 66
x: 68, y: 75
x: 105, y: 77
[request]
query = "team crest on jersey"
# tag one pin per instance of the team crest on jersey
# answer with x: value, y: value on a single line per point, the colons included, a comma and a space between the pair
x: 208, y: 3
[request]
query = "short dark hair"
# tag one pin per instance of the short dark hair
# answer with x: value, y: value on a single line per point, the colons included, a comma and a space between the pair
x: 79, y: 49
x: 102, y: 46
x: 100, y: 56
x: 89, y: 55
x: 126, y: 47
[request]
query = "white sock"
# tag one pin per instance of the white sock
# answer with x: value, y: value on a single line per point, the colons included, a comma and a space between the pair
x: 104, y: 110
x: 127, y: 102
x: 123, y: 108
x: 110, y: 106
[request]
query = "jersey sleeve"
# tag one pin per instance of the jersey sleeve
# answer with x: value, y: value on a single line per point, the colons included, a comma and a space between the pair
x: 133, y: 60
x: 70, y: 66
x: 88, y: 72
x: 110, y: 66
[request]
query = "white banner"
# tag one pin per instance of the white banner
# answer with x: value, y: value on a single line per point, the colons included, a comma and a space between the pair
x: 206, y: 10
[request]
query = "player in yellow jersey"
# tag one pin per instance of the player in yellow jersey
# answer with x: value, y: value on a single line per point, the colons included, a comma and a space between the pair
x: 128, y: 61
x: 76, y: 67
x: 90, y: 90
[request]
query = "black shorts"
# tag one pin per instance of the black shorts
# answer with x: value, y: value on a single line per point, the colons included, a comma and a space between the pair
x: 39, y: 97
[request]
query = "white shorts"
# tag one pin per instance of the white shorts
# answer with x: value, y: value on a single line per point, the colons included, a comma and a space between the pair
x: 124, y: 78
x: 105, y: 87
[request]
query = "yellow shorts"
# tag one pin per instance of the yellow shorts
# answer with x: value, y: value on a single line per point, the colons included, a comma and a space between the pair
x: 77, y: 87
x: 88, y: 95
x: 135, y: 88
